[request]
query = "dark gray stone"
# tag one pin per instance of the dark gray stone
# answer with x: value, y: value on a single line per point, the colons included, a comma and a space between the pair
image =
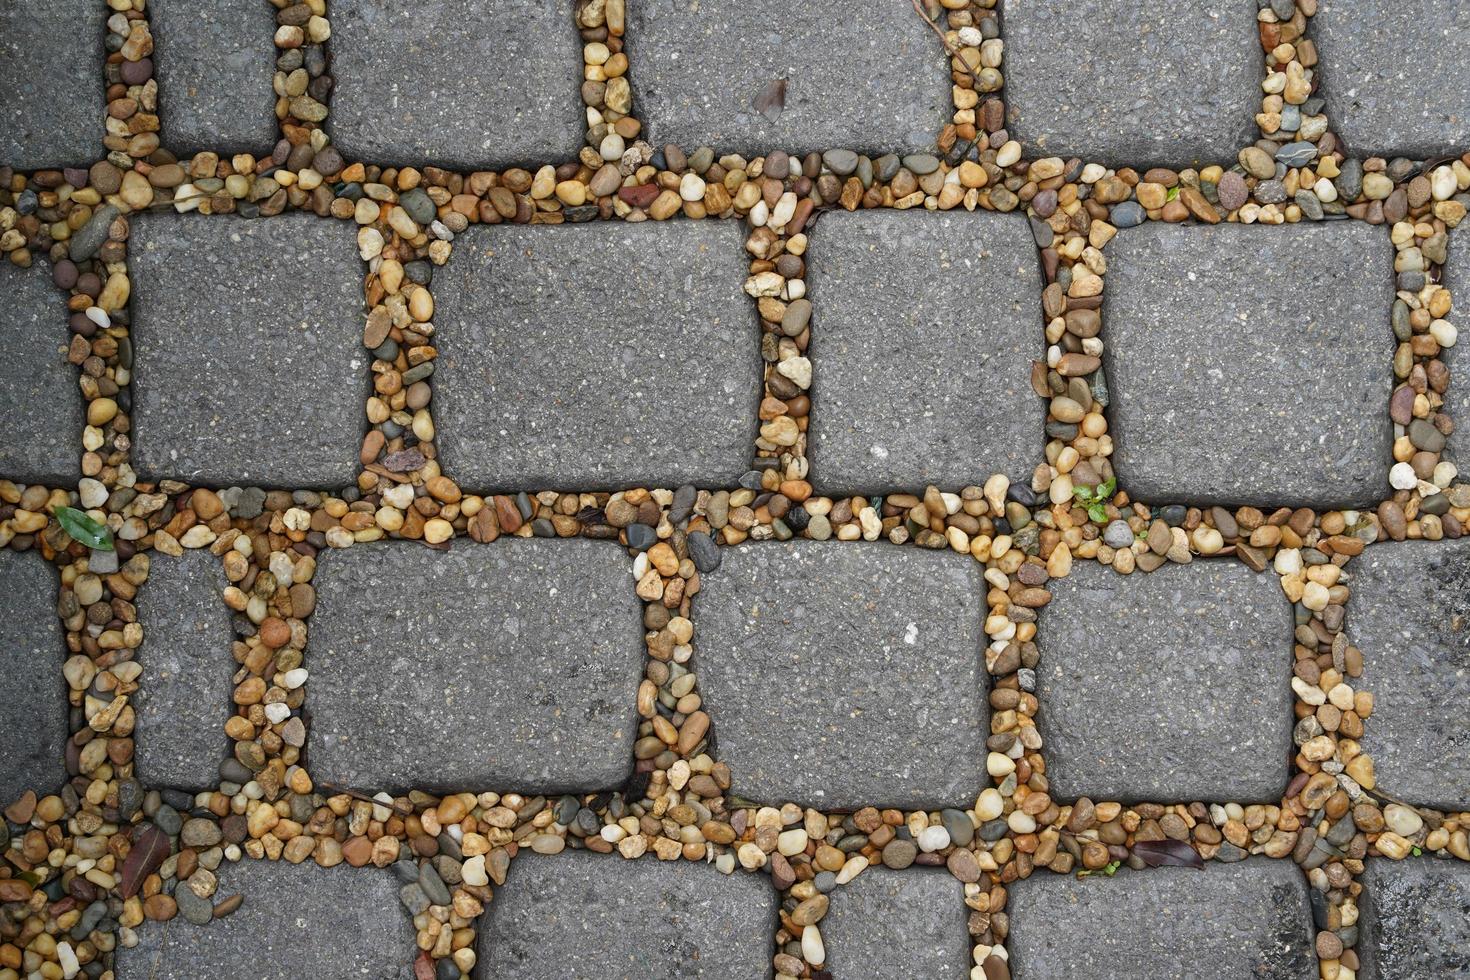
x: 908, y: 923
x: 1243, y: 920
x: 1415, y: 921
x: 511, y: 666
x: 1457, y: 398
x: 1170, y: 84
x: 878, y: 84
x: 916, y: 383
x: 843, y: 674
x: 1251, y: 365
x: 587, y: 357
x: 472, y: 87
x: 41, y: 417
x: 54, y: 107
x: 584, y: 915
x: 297, y: 921
x: 1392, y: 73
x: 185, y: 697
x: 1409, y: 612
x: 1166, y: 686
x: 214, y: 64
x: 33, y: 698
x: 249, y: 361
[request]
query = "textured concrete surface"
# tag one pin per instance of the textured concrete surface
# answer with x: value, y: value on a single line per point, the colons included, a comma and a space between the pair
x: 1251, y: 365
x: 1415, y: 921
x: 876, y: 84
x: 1393, y: 75
x: 1456, y: 278
x: 466, y: 86
x: 185, y: 697
x: 297, y: 921
x: 1409, y: 613
x: 909, y: 923
x: 238, y: 326
x: 32, y: 691
x: 844, y: 675
x: 1242, y: 920
x: 52, y: 78
x: 1168, y: 686
x: 918, y: 384
x: 41, y: 416
x: 584, y: 915
x: 1169, y: 84
x: 214, y: 64
x: 596, y: 356
x: 513, y: 665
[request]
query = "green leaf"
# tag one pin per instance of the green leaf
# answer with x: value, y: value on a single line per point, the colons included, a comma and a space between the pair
x: 83, y: 529
x: 1097, y: 513
x: 1083, y: 494
x: 1105, y: 491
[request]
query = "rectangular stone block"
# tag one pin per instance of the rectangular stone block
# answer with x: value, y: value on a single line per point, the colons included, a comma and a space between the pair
x: 512, y: 666
x: 1167, y: 686
x: 1409, y: 612
x: 910, y: 923
x: 41, y: 416
x: 1241, y: 920
x: 878, y: 83
x: 1456, y: 279
x: 249, y: 367
x: 33, y: 698
x: 583, y: 915
x: 843, y: 675
x: 596, y: 356
x: 1415, y: 920
x: 915, y: 381
x: 54, y: 110
x: 215, y: 64
x: 472, y: 87
x: 1251, y: 365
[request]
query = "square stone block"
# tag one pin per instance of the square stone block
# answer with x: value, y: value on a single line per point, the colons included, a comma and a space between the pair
x: 54, y: 110
x: 1168, y: 686
x: 596, y: 356
x: 1138, y: 85
x: 33, y: 698
x: 1251, y: 365
x: 509, y: 666
x: 249, y: 367
x: 916, y: 381
x: 842, y: 675
x: 41, y: 416
x: 1409, y: 612
x: 1415, y: 921
x: 876, y: 83
x: 910, y: 923
x: 1393, y: 75
x: 186, y: 693
x: 215, y: 63
x: 1456, y: 279
x: 579, y: 914
x: 298, y: 920
x: 1241, y: 920
x: 466, y: 86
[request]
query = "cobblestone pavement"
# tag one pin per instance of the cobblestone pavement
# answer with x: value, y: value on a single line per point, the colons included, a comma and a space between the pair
x: 612, y: 488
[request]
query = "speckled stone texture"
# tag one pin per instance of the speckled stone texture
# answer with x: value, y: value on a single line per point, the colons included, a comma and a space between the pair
x: 1394, y: 75
x: 909, y: 923
x: 1415, y: 921
x: 41, y: 416
x: 466, y: 86
x: 917, y: 383
x: 1456, y: 279
x: 1409, y: 613
x: 596, y: 356
x: 214, y: 63
x: 512, y: 665
x: 589, y: 915
x: 1272, y: 393
x: 32, y: 691
x: 237, y: 325
x: 1168, y: 686
x: 54, y: 105
x: 1242, y: 920
x: 187, y: 660
x: 875, y: 83
x: 1140, y: 85
x: 843, y: 675
x: 297, y: 921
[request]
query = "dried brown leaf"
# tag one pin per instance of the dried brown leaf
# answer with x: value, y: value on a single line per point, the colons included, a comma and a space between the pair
x: 150, y: 848
x: 772, y: 99
x: 1168, y: 853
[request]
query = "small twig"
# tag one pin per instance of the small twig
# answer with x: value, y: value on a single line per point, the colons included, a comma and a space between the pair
x: 394, y: 806
x: 944, y: 42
